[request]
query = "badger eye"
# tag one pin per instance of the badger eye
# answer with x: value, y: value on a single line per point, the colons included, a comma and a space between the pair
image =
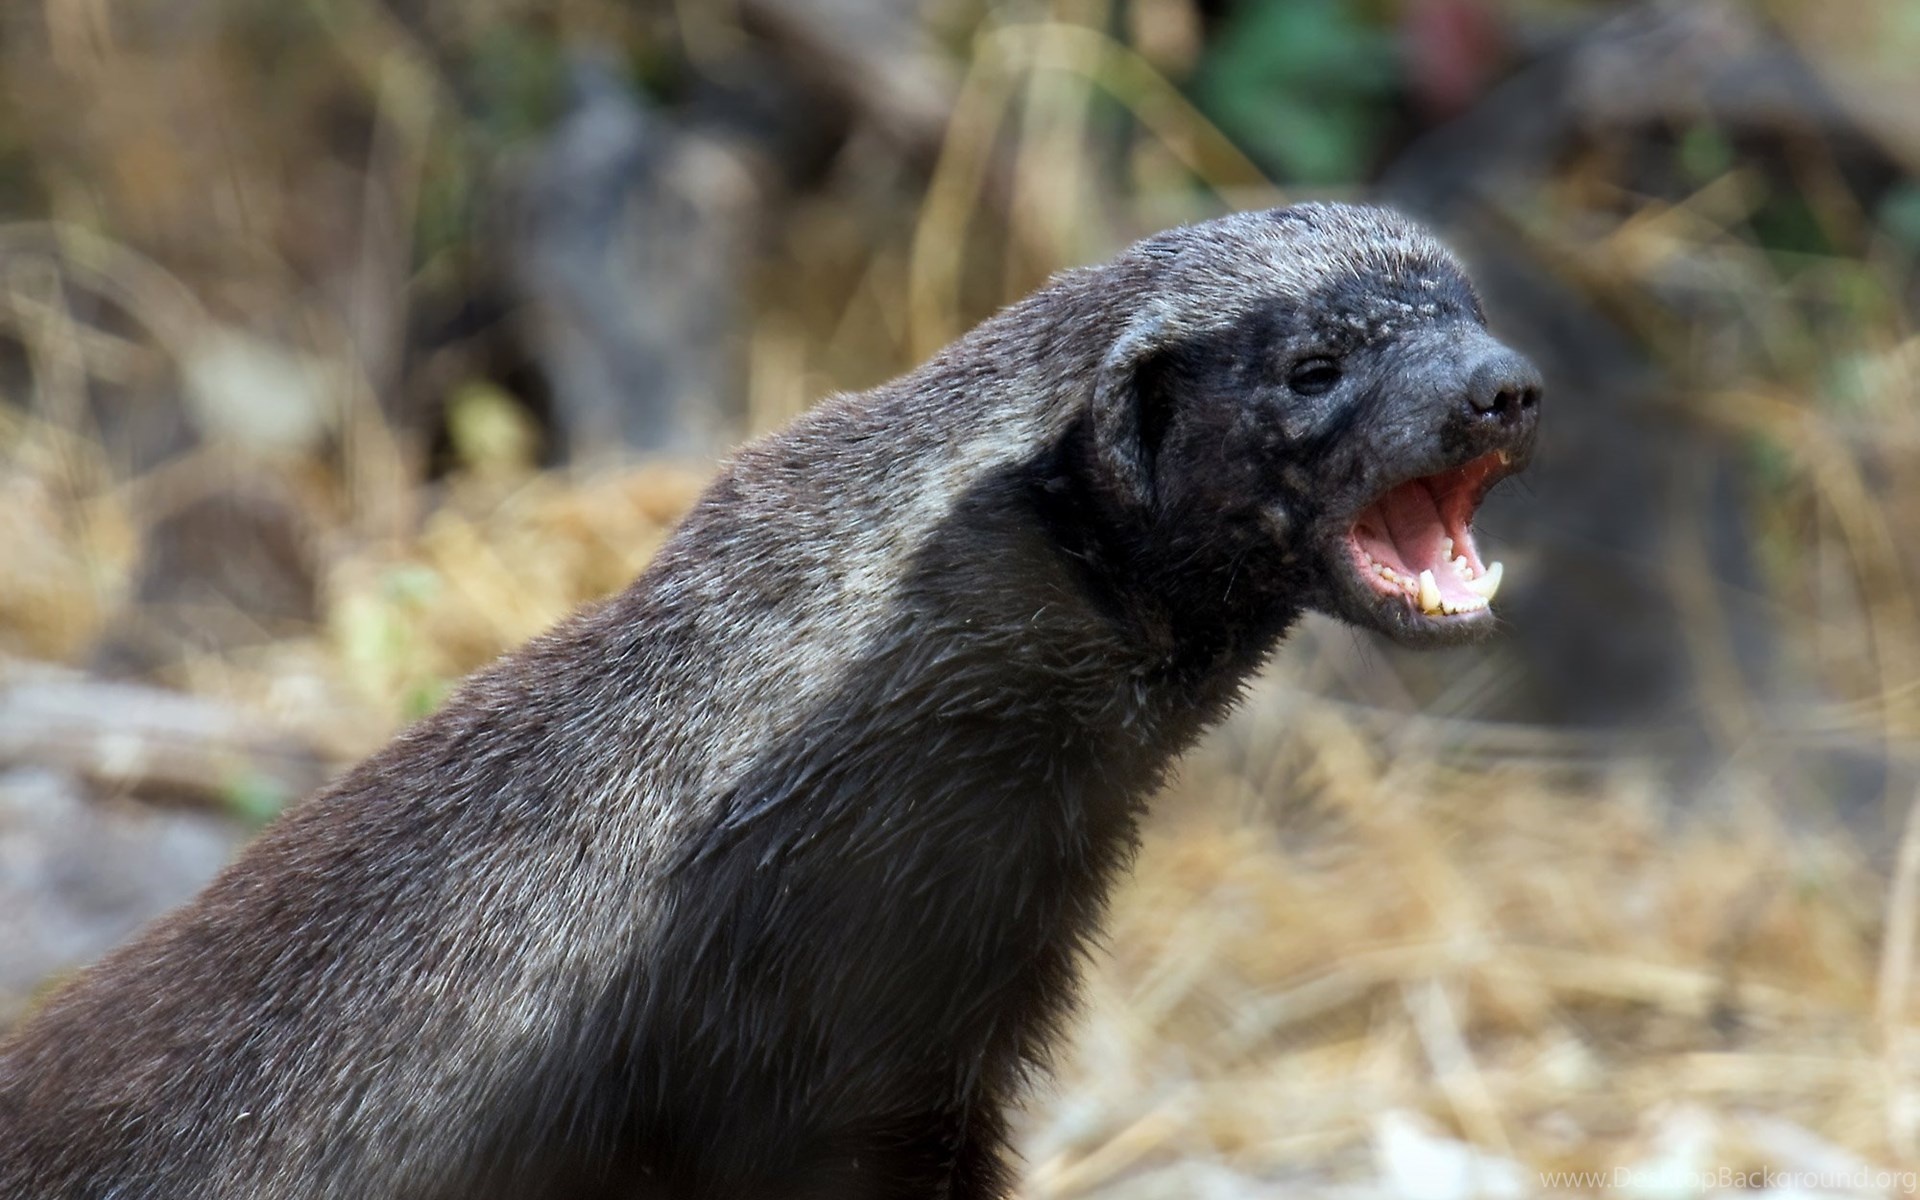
x: 1314, y: 376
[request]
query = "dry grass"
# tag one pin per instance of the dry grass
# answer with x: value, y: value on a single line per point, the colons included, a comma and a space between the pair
x: 1541, y: 965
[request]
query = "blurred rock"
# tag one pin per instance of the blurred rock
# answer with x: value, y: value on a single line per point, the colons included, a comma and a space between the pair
x: 226, y: 567
x: 875, y: 54
x: 628, y: 245
x: 77, y: 877
x: 158, y: 744
x: 256, y: 395
x: 634, y: 224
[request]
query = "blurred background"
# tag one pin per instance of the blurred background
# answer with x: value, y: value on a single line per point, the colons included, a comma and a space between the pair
x: 345, y: 344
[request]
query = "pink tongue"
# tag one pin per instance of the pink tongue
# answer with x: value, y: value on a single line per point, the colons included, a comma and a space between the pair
x: 1414, y: 524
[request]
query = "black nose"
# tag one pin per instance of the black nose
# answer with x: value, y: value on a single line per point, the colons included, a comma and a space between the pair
x: 1504, y: 387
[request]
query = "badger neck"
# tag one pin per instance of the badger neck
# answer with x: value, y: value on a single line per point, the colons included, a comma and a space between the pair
x: 1201, y: 595
x: 941, y: 551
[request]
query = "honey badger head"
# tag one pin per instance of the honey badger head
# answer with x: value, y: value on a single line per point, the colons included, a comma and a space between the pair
x: 1308, y: 404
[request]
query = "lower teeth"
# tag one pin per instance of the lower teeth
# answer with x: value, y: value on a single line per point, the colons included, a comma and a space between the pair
x: 1425, y: 591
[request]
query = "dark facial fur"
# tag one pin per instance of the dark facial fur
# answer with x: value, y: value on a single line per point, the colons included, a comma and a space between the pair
x: 771, y: 876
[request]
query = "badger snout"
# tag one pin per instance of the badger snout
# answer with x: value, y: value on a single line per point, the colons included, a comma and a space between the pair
x: 1503, y: 388
x: 1480, y: 396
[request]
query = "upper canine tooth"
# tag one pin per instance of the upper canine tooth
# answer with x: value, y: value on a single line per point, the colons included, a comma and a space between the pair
x: 1488, y: 583
x: 1429, y: 593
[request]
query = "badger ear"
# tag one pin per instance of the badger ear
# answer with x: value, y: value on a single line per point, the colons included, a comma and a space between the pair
x: 1128, y: 409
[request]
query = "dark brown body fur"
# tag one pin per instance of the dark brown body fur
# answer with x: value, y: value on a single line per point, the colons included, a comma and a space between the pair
x: 770, y: 877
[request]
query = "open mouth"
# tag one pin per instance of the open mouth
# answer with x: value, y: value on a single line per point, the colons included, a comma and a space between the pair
x: 1415, y: 542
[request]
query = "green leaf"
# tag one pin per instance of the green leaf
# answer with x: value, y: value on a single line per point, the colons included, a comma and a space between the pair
x: 1900, y: 213
x: 1301, y: 85
x: 254, y: 798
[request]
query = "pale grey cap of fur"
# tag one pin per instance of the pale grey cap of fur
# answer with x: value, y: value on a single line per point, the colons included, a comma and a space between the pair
x: 1208, y: 275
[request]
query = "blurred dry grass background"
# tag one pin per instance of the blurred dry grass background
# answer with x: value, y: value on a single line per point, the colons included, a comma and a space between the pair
x: 1386, y: 937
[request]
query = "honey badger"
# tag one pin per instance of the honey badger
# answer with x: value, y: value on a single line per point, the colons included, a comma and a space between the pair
x: 770, y: 877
